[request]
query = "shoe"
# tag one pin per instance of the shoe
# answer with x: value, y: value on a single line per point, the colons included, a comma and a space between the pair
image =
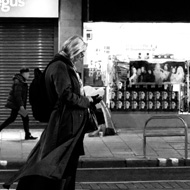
x: 6, y: 186
x: 30, y: 138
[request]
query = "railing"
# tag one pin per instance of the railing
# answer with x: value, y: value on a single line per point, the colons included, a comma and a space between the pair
x: 165, y: 131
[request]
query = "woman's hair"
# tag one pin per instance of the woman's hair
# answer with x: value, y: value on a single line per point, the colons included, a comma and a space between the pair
x: 73, y: 46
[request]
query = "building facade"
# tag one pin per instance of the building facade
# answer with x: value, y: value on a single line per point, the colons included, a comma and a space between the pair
x: 31, y: 32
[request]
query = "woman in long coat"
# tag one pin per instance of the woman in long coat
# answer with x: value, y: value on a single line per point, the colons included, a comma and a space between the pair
x: 53, y: 162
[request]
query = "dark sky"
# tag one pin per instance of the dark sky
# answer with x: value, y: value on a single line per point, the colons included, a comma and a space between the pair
x: 139, y: 10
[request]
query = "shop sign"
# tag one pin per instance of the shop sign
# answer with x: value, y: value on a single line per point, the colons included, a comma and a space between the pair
x: 29, y: 8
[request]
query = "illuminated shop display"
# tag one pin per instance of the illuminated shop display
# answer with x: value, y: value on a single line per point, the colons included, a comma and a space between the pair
x: 144, y: 66
x: 149, y: 86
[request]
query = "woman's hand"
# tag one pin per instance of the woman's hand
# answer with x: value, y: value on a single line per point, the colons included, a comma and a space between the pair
x: 96, y: 99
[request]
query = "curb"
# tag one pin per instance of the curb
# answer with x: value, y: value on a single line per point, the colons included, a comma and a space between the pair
x: 113, y: 163
x: 158, y: 162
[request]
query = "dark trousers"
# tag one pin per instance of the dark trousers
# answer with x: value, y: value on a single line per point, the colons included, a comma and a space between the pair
x: 11, y: 119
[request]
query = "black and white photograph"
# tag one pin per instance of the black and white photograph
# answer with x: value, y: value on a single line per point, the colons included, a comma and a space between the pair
x: 94, y: 95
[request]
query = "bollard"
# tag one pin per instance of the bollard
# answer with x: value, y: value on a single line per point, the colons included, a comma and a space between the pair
x: 175, y: 161
x: 162, y: 161
x: 3, y: 162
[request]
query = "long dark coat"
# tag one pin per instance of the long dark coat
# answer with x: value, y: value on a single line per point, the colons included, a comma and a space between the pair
x: 65, y: 130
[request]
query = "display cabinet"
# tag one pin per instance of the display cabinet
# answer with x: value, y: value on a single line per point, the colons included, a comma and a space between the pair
x: 150, y: 86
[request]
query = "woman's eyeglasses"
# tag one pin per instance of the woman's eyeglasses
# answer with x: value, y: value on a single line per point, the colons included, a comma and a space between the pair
x: 81, y: 54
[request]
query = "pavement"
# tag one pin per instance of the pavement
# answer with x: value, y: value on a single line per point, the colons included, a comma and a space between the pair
x: 125, y: 149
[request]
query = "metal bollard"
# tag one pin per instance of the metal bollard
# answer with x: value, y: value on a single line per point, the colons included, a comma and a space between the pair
x: 3, y: 162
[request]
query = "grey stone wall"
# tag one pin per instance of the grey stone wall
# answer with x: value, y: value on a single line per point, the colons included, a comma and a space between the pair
x: 70, y: 21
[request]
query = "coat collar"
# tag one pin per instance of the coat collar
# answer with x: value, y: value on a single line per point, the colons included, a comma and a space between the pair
x: 67, y: 61
x: 63, y: 58
x: 20, y: 78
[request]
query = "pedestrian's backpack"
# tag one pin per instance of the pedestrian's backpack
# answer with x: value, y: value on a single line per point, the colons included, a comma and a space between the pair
x: 38, y: 96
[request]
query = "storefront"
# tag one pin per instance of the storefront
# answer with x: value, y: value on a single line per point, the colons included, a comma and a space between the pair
x: 144, y: 68
x: 28, y: 35
x: 31, y: 32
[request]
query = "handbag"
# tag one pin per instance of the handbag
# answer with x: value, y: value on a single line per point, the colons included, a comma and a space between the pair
x: 109, y: 132
x: 92, y: 123
x: 23, y: 112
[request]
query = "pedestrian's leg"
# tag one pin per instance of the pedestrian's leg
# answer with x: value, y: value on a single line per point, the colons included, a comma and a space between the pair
x: 28, y: 135
x: 10, y: 119
x: 25, y: 121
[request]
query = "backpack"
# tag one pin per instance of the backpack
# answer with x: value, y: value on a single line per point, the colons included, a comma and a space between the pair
x: 38, y: 96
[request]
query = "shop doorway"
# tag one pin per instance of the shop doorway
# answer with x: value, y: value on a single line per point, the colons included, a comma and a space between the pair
x: 24, y: 42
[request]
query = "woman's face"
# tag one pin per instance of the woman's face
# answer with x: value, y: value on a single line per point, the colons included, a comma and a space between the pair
x: 134, y: 70
x: 112, y: 103
x: 142, y: 69
x: 166, y: 67
x: 127, y: 104
x: 79, y: 57
x: 138, y: 71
